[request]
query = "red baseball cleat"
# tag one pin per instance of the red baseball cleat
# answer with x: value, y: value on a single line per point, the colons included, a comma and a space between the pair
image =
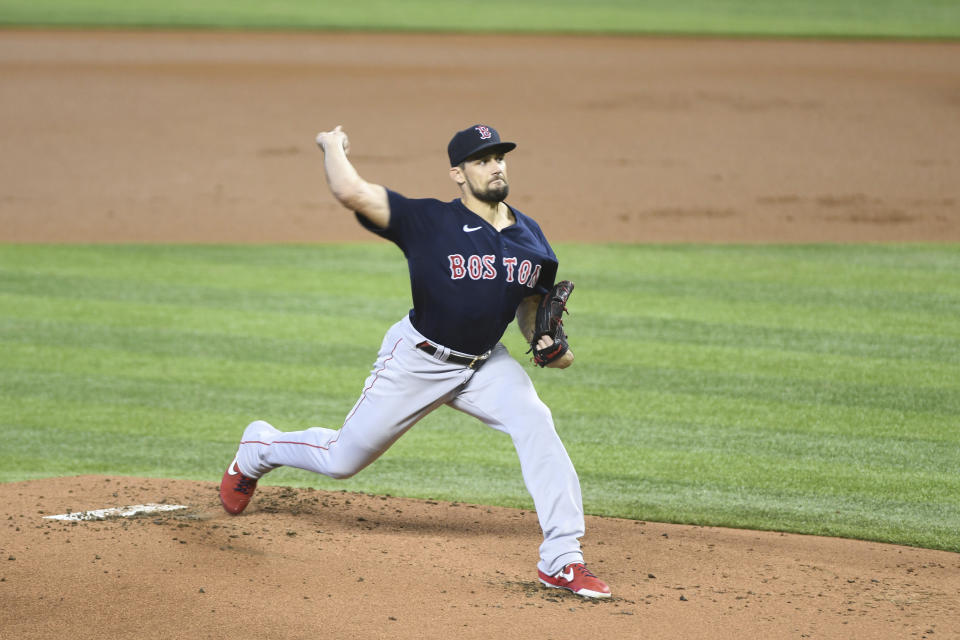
x: 236, y: 489
x: 577, y: 578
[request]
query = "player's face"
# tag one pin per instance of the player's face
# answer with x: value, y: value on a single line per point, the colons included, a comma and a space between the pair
x: 486, y: 177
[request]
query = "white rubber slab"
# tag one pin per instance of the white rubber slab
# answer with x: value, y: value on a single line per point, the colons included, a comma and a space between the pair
x: 116, y: 512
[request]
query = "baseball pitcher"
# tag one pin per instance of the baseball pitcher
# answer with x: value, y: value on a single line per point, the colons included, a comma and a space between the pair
x: 475, y: 264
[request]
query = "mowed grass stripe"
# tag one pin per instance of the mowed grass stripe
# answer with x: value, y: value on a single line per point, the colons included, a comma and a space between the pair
x: 310, y: 342
x: 841, y: 18
x: 212, y: 392
x: 725, y: 437
x: 248, y: 299
x: 749, y: 385
x: 704, y: 376
x: 642, y: 409
x: 894, y: 267
x: 75, y: 366
x: 55, y: 345
x: 703, y: 332
x: 930, y: 525
x: 809, y: 389
x: 793, y: 364
x: 57, y: 388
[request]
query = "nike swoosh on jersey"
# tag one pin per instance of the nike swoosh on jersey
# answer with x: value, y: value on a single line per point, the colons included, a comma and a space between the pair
x: 469, y: 229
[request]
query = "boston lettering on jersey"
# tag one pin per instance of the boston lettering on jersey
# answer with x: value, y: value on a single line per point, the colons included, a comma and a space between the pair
x: 466, y: 278
x: 477, y: 267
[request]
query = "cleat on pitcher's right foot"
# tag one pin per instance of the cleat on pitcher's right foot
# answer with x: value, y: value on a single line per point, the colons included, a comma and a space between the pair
x: 236, y: 489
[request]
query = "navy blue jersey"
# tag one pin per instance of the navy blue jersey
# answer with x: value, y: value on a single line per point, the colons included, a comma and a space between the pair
x: 467, y: 278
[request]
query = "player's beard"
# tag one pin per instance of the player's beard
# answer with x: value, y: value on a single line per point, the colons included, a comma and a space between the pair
x: 492, y: 194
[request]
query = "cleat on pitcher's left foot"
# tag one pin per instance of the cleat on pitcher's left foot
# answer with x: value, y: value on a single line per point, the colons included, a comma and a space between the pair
x: 577, y: 578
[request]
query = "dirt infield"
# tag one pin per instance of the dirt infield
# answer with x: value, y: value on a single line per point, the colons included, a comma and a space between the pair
x: 199, y: 137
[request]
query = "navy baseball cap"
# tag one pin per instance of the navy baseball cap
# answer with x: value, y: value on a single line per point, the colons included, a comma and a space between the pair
x: 473, y: 140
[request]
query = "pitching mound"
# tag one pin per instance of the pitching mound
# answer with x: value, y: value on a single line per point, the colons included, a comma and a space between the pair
x: 307, y: 564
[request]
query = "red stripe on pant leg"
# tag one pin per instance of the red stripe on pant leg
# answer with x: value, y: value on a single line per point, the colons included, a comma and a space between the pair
x: 376, y: 377
x: 363, y: 397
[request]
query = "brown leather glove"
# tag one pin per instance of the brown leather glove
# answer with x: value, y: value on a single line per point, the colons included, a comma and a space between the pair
x: 549, y: 322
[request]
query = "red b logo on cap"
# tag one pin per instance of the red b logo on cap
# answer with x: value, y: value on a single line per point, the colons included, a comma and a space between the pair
x: 484, y: 132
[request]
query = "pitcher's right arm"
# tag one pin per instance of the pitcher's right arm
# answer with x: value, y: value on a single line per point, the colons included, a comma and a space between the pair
x: 346, y: 185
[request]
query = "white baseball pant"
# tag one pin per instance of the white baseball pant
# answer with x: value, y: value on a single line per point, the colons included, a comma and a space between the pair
x: 405, y: 385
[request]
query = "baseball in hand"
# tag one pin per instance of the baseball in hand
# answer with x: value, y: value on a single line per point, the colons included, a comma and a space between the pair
x: 337, y: 136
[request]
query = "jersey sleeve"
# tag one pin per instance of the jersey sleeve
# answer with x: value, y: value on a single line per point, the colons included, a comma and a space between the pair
x: 408, y: 221
x: 548, y: 274
x: 548, y: 277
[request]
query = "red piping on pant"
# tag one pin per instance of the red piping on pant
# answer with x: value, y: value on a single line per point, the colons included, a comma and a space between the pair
x: 363, y: 397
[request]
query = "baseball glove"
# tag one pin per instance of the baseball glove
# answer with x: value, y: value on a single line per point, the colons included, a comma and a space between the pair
x: 549, y: 322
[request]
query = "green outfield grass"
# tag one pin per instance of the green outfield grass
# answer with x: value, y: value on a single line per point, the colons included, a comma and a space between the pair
x: 830, y: 18
x: 812, y: 389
